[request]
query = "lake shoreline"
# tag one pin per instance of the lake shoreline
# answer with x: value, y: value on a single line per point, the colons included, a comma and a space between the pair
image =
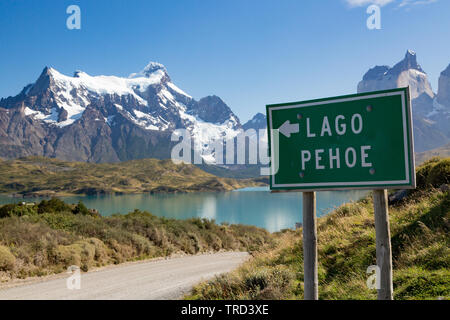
x: 165, y: 190
x: 41, y: 176
x: 255, y: 206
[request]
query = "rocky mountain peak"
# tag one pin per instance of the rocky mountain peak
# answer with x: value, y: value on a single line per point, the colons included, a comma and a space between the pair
x: 259, y: 117
x: 43, y: 82
x: 405, y: 73
x: 409, y: 62
x: 214, y: 109
x: 376, y: 73
x: 152, y: 69
x: 47, y: 71
x: 257, y: 122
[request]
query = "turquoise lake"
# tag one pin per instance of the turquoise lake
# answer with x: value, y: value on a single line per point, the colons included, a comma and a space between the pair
x: 252, y: 206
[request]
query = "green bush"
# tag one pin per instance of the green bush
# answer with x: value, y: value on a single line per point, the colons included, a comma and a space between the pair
x: 80, y: 209
x: 7, y: 259
x: 18, y: 210
x: 257, y: 280
x: 439, y: 173
x: 53, y: 205
x: 433, y: 173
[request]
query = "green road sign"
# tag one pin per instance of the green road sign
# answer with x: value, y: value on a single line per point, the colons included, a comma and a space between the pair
x: 360, y: 141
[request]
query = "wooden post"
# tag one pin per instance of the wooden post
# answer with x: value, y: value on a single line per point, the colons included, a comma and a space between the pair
x: 383, y: 241
x: 310, y: 246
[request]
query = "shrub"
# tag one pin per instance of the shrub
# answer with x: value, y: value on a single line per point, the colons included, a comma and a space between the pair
x: 68, y: 255
x: 80, y: 208
x: 439, y: 173
x: 101, y: 254
x: 433, y: 173
x: 7, y: 259
x: 223, y: 286
x: 53, y: 205
x: 10, y: 210
x: 257, y: 280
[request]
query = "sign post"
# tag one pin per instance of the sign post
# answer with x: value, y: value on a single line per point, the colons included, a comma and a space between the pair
x: 383, y: 244
x: 311, y: 287
x: 360, y: 141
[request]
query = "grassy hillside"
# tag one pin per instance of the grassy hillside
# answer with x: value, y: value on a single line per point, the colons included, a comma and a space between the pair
x: 442, y: 152
x: 44, y: 176
x: 346, y: 245
x: 48, y: 237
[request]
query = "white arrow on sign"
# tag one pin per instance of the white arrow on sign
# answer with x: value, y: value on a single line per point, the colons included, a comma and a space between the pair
x: 287, y: 128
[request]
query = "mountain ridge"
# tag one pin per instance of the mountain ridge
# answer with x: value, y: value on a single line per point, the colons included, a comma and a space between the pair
x: 112, y: 119
x: 91, y: 114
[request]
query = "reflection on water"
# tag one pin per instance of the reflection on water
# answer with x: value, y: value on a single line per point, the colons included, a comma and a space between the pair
x: 209, y: 208
x: 253, y: 206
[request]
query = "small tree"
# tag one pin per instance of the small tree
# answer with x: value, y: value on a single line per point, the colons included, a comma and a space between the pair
x: 81, y: 209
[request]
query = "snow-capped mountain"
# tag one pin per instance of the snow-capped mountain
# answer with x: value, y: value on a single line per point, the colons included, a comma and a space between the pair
x: 429, y: 129
x: 109, y: 118
x: 147, y: 100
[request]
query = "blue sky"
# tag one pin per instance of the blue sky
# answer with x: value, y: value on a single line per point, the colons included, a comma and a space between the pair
x: 250, y: 53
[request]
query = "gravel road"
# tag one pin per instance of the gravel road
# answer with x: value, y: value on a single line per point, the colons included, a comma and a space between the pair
x: 157, y: 279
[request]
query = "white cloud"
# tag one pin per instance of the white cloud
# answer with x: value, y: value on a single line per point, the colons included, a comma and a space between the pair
x: 405, y: 3
x: 381, y: 3
x: 360, y: 3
